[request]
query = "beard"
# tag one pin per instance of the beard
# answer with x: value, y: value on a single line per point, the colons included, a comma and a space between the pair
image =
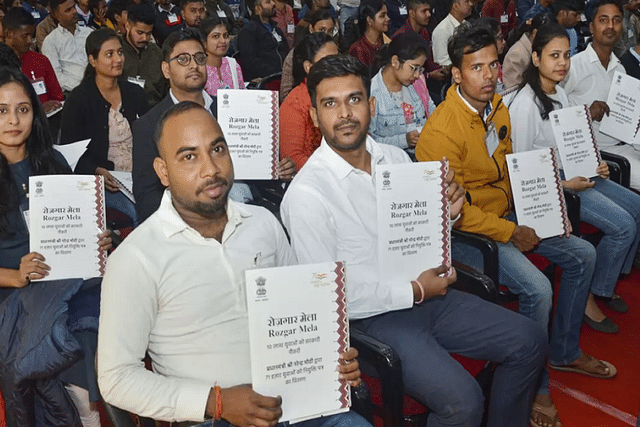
x: 335, y: 142
x: 212, y: 209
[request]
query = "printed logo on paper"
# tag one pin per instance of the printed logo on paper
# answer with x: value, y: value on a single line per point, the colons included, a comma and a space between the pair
x: 319, y: 279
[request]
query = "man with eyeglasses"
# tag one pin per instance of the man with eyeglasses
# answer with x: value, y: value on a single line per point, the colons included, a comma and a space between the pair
x: 183, y: 64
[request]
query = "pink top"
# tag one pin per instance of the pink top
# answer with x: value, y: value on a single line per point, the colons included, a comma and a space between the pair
x: 213, y: 78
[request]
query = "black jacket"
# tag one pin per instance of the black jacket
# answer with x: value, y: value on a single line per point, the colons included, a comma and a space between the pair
x: 261, y: 54
x: 147, y: 187
x: 86, y: 115
x: 631, y: 65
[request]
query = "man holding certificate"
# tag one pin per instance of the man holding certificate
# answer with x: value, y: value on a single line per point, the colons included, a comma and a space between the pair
x: 472, y: 129
x: 330, y: 213
x: 175, y: 289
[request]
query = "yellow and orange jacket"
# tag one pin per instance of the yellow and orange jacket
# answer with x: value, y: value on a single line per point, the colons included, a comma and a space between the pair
x: 457, y: 133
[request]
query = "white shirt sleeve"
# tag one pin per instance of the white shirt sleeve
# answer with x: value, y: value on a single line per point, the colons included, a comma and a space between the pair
x: 314, y: 237
x: 439, y: 43
x: 128, y: 310
x: 524, y: 126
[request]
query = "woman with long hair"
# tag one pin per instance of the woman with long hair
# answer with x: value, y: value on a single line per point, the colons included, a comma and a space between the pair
x: 223, y: 72
x: 400, y: 110
x: 26, y: 149
x: 103, y: 108
x: 374, y: 23
x: 612, y: 208
x: 299, y: 137
x: 518, y: 54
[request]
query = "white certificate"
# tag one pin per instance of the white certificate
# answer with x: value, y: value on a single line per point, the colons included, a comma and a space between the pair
x: 624, y: 108
x: 413, y: 220
x: 576, y: 142
x: 250, y: 122
x: 537, y: 192
x: 298, y: 326
x: 66, y: 215
x: 125, y: 182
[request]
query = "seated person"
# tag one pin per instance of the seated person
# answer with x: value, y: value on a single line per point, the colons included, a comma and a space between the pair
x: 518, y: 57
x: 200, y: 356
x: 612, y: 208
x: 44, y: 28
x: 35, y: 9
x: 400, y: 110
x: 458, y: 12
x: 329, y: 212
x: 457, y: 131
x: 541, y: 7
x: 65, y: 46
x: 631, y: 61
x: 567, y: 14
x: 223, y: 72
x: 168, y: 20
x: 493, y: 25
x: 142, y: 56
x: 18, y: 27
x: 284, y: 19
x: 504, y: 12
x: 26, y: 149
x: 192, y: 12
x: 262, y: 45
x: 374, y: 23
x: 98, y: 14
x: 84, y: 12
x: 103, y: 108
x: 299, y: 136
x: 310, y: 6
x: 117, y: 15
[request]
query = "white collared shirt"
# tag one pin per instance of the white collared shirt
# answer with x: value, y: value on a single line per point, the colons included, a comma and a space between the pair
x: 67, y: 54
x: 441, y: 34
x: 181, y: 297
x: 207, y: 99
x: 589, y: 81
x: 330, y: 213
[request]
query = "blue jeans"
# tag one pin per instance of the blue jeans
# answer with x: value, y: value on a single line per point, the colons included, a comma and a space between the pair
x: 425, y: 335
x: 118, y: 201
x: 577, y: 259
x: 615, y: 210
x: 348, y: 419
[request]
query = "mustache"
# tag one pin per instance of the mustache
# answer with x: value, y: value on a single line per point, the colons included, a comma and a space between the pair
x: 346, y: 123
x: 219, y: 182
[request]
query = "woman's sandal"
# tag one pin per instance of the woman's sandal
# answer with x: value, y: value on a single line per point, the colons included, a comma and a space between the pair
x: 548, y: 411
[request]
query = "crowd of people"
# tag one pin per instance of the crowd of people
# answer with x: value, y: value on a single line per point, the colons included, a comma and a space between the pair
x: 364, y: 83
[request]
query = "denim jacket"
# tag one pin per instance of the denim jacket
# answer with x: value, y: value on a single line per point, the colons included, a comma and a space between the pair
x: 388, y: 125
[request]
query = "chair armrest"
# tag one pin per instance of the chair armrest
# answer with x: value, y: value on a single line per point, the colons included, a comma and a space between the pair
x: 623, y: 163
x: 573, y: 210
x: 475, y: 283
x: 385, y: 361
x: 486, y: 246
x: 361, y: 401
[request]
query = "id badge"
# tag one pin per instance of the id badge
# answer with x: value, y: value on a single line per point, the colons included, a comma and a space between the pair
x: 403, y: 10
x: 276, y: 36
x: 38, y: 85
x: 172, y: 18
x: 35, y: 14
x: 221, y: 14
x: 504, y: 19
x: 25, y: 215
x: 136, y: 80
x: 291, y: 28
x: 491, y: 138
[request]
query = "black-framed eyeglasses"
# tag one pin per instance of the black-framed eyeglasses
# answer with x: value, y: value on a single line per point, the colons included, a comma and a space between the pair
x: 184, y: 59
x: 416, y: 68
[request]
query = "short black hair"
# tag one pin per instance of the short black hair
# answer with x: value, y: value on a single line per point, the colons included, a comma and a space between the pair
x: 306, y: 50
x: 116, y: 7
x: 251, y: 5
x: 142, y: 12
x: 616, y: 3
x: 184, y: 3
x: 174, y: 110
x: 93, y: 4
x: 54, y: 4
x: 8, y: 57
x: 570, y: 5
x: 466, y: 39
x: 179, y: 36
x: 16, y: 18
x: 413, y: 4
x: 336, y: 66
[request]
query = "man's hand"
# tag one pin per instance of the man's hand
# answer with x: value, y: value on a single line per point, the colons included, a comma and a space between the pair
x: 32, y: 267
x: 455, y: 192
x: 110, y: 182
x: 434, y: 281
x: 603, y: 168
x: 412, y: 138
x: 348, y: 368
x: 598, y: 109
x: 104, y: 240
x: 243, y: 407
x: 578, y: 183
x: 524, y: 238
x: 51, y: 105
x: 286, y: 169
x: 439, y: 74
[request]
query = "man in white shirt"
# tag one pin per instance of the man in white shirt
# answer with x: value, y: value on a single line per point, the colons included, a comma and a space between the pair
x: 460, y: 9
x: 175, y: 289
x: 330, y: 213
x: 591, y: 75
x: 65, y: 46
